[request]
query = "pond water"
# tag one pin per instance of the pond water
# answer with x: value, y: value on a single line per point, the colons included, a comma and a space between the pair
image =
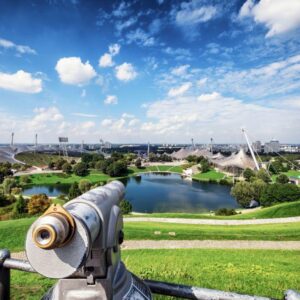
x: 161, y: 192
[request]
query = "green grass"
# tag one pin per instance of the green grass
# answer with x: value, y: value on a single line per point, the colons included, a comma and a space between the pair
x: 288, y: 173
x: 255, y: 272
x: 13, y: 232
x: 211, y: 174
x: 61, y: 178
x: 271, y: 232
x: 283, y: 210
x: 37, y: 159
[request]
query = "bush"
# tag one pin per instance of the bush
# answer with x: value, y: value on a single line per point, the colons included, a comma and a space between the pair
x: 276, y: 193
x: 224, y: 182
x: 16, y: 191
x: 126, y: 207
x: 84, y: 185
x: 8, y: 184
x: 248, y: 174
x: 81, y: 169
x: 74, y: 191
x: 117, y: 168
x: 138, y: 163
x: 20, y: 206
x: 25, y: 179
x: 225, y: 212
x: 38, y: 204
x: 67, y: 168
x: 282, y: 178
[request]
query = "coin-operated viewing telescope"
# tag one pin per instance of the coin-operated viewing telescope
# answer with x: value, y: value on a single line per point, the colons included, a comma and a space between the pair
x: 79, y: 244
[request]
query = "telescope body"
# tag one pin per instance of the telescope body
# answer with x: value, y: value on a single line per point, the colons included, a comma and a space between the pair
x: 79, y: 244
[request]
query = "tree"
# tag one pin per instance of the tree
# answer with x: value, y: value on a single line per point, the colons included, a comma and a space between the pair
x: 101, y: 165
x: 276, y: 193
x: 138, y: 163
x: 243, y: 193
x: 20, y: 206
x: 204, y: 166
x: 84, y: 185
x: 126, y: 207
x: 4, y: 171
x: 59, y: 163
x: 38, y: 204
x: 81, y: 169
x: 8, y: 184
x: 25, y: 179
x: 67, y: 168
x: 248, y: 174
x: 74, y: 191
x: 258, y: 186
x: 117, y: 168
x: 282, y: 178
x: 51, y: 165
x: 263, y: 175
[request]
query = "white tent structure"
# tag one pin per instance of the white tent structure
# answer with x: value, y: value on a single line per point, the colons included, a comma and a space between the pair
x: 235, y: 163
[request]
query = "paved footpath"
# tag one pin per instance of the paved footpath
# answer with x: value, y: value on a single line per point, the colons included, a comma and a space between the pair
x: 206, y: 244
x: 213, y: 222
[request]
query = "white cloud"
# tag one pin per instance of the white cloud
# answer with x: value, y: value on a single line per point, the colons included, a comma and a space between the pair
x: 126, y: 72
x: 180, y: 71
x: 107, y: 122
x: 174, y: 92
x: 88, y: 125
x: 20, y: 81
x: 21, y: 49
x: 111, y: 99
x: 193, y: 13
x: 202, y: 81
x: 128, y: 116
x: 133, y: 122
x: 44, y: 116
x: 106, y: 60
x: 279, y: 16
x: 218, y: 116
x: 72, y: 71
x: 84, y: 115
x: 140, y: 37
x: 121, y: 25
x: 114, y: 49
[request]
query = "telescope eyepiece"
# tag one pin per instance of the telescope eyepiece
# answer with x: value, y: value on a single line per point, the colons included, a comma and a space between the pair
x: 54, y: 229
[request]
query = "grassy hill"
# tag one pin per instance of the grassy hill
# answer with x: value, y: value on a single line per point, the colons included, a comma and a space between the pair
x: 242, y: 270
x: 13, y: 232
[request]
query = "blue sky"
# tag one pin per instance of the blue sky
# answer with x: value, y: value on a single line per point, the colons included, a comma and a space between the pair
x: 163, y: 71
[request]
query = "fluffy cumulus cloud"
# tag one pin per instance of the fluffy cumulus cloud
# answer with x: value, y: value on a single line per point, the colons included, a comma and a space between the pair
x: 20, y: 81
x: 174, y: 92
x: 214, y: 115
x: 111, y: 99
x: 126, y: 72
x: 279, y: 16
x: 72, y: 70
x: 20, y: 49
x: 44, y: 116
x: 106, y: 60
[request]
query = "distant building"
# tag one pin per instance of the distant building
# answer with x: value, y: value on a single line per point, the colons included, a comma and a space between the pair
x: 272, y: 146
x: 257, y: 147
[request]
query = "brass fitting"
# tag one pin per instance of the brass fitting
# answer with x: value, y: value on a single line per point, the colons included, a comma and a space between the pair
x: 54, y: 228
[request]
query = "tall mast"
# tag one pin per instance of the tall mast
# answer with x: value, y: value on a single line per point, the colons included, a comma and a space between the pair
x: 250, y: 148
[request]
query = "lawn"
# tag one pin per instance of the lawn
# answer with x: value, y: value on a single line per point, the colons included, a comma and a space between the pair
x: 13, y: 232
x: 290, y: 173
x: 157, y: 168
x: 256, y: 272
x: 211, y: 174
x: 61, y: 178
x: 283, y: 210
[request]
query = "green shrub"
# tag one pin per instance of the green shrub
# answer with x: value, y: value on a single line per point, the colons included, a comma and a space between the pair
x: 126, y: 207
x: 225, y: 212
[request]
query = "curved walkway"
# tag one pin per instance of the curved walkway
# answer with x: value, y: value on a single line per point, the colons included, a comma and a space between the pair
x: 195, y: 244
x: 213, y: 222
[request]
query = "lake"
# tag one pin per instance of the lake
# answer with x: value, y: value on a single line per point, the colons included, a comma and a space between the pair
x: 162, y: 192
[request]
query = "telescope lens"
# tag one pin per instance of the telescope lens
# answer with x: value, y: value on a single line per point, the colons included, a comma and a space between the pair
x: 45, y: 236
